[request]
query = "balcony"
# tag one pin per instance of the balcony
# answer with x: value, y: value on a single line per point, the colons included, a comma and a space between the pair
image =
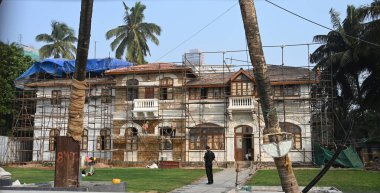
x: 145, y: 107
x: 241, y: 104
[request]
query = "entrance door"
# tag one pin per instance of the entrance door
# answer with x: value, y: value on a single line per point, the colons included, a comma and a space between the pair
x: 243, y: 143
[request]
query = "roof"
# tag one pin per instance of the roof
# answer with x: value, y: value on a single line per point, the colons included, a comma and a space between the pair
x: 60, y: 67
x: 150, y: 68
x: 278, y: 74
x: 67, y: 82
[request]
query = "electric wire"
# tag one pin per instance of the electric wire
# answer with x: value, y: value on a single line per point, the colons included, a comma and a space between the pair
x: 318, y: 24
x: 196, y: 33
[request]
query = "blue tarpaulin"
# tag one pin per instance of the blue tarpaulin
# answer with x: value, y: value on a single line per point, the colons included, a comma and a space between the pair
x: 61, y: 67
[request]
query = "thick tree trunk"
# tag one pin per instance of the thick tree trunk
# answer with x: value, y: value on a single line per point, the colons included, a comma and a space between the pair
x: 77, y: 95
x: 283, y: 164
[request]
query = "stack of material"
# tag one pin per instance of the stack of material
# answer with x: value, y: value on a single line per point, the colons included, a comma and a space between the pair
x: 5, y: 178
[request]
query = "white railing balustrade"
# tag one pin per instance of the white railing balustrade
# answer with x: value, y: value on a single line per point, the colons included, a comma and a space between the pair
x: 145, y: 104
x: 241, y: 103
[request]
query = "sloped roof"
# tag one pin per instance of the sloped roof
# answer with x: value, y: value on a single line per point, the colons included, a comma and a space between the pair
x: 277, y: 74
x: 150, y: 68
x: 67, y: 82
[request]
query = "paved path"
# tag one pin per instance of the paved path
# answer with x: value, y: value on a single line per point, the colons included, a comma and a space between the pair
x: 224, y: 181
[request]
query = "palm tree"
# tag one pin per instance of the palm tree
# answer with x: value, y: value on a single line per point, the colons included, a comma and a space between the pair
x: 133, y: 36
x: 371, y: 85
x: 341, y: 54
x: 284, y: 165
x: 60, y: 42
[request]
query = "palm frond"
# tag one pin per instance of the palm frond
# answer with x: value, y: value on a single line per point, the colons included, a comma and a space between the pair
x: 335, y: 19
x: 44, y: 38
x: 46, y: 51
x: 116, y: 31
x: 117, y: 41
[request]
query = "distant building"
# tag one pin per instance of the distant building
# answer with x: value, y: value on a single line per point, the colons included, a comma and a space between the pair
x: 194, y: 58
x: 31, y: 51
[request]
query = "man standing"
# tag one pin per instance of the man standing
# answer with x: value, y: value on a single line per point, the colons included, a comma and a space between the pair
x: 209, y: 157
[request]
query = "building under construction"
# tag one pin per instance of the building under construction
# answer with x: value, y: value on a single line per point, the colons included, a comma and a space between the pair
x: 138, y: 114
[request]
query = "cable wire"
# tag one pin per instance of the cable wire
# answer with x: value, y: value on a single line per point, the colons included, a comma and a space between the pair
x: 304, y: 18
x: 199, y: 31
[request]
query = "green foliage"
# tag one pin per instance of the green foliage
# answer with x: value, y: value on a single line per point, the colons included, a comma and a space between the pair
x: 351, y: 53
x: 138, y: 179
x: 133, y: 36
x: 345, y: 180
x: 60, y: 42
x: 13, y: 63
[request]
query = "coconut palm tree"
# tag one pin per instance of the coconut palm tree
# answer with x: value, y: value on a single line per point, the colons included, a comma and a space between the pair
x: 60, y: 42
x: 134, y: 35
x: 284, y: 165
x: 371, y: 85
x: 341, y: 54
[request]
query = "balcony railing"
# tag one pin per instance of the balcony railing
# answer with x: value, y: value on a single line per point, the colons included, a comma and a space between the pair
x: 142, y: 105
x: 241, y: 103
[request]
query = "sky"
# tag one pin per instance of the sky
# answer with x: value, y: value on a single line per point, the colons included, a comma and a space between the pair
x: 213, y: 26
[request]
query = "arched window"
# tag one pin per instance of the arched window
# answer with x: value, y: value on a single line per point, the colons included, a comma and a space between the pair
x: 132, y: 89
x: 131, y: 138
x: 84, y: 142
x: 166, y: 89
x: 206, y: 134
x: 104, y: 140
x: 296, y: 131
x: 52, y: 139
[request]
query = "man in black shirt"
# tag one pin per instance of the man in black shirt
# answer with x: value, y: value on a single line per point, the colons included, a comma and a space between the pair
x: 209, y: 157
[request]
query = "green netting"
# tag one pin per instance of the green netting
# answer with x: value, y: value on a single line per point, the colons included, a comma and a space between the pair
x: 348, y: 158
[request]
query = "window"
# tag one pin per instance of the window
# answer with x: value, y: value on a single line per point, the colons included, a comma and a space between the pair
x: 166, y: 143
x: 205, y: 93
x: 131, y: 138
x: 241, y: 88
x: 132, y: 89
x: 207, y: 134
x: 295, y: 130
x: 286, y: 90
x: 104, y: 140
x: 56, y: 97
x: 194, y: 93
x: 84, y: 142
x: 166, y: 89
x: 52, y: 139
x: 106, y: 95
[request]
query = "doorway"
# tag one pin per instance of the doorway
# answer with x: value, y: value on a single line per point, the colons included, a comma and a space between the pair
x: 243, y: 143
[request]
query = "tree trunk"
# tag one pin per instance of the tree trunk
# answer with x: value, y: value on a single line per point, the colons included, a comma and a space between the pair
x: 283, y: 164
x: 77, y: 95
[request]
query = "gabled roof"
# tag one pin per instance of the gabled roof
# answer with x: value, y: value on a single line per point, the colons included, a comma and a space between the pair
x: 242, y: 72
x: 150, y: 68
x: 278, y: 75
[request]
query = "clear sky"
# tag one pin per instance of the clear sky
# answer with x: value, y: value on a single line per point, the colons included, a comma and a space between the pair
x: 209, y: 25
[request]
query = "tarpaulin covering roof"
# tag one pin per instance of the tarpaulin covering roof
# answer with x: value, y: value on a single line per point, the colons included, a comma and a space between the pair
x: 60, y: 67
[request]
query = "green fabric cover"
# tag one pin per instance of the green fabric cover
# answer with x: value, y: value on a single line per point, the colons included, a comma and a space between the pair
x: 348, y: 158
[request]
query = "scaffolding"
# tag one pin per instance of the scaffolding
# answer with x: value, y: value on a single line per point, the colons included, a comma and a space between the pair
x: 137, y: 123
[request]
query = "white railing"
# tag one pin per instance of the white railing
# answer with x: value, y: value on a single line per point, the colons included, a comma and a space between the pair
x: 241, y: 103
x: 145, y: 104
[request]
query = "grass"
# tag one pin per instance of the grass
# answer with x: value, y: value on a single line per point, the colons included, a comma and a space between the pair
x: 348, y: 181
x: 138, y: 179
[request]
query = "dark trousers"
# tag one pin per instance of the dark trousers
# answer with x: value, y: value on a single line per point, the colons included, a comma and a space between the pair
x: 209, y: 174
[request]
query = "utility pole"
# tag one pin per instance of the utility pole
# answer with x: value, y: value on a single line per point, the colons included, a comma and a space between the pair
x: 284, y: 165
